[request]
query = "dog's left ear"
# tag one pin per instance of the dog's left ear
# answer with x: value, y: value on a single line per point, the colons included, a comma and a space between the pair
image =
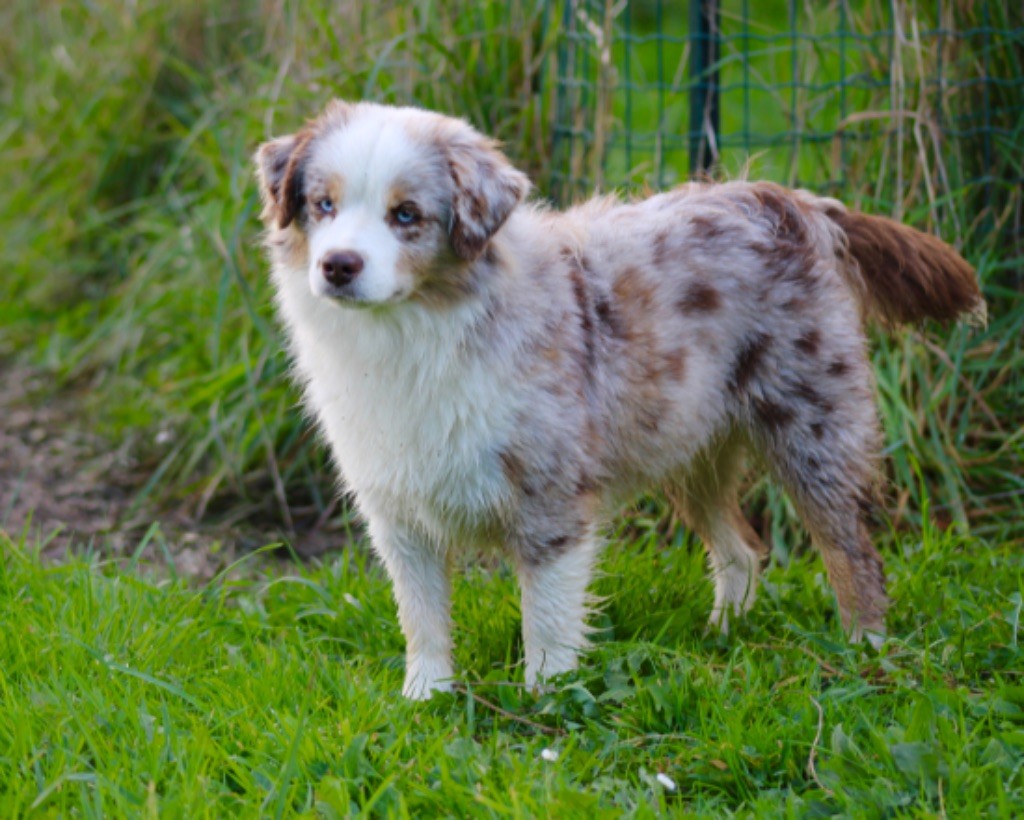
x: 279, y: 169
x: 487, y: 189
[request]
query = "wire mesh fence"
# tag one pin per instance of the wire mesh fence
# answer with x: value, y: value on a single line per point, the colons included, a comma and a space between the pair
x: 904, y: 104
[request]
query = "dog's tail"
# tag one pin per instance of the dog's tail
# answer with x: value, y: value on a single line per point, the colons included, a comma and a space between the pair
x: 905, y: 275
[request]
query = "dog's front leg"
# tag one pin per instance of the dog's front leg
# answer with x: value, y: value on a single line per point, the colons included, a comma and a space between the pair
x: 554, y: 584
x: 419, y: 578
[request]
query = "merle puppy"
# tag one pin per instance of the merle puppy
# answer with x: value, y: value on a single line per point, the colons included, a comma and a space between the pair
x: 489, y: 372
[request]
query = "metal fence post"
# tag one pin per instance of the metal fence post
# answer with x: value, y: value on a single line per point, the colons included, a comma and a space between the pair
x: 704, y: 51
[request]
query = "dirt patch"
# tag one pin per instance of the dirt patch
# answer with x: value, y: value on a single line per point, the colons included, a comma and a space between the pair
x: 66, y: 488
x: 55, y: 479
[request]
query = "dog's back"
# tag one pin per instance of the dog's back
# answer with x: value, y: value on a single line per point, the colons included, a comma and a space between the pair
x: 714, y: 304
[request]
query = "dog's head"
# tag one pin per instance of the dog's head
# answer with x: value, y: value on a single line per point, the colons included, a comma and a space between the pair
x: 386, y: 202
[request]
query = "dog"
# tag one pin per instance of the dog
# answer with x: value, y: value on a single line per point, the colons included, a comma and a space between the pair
x: 492, y: 372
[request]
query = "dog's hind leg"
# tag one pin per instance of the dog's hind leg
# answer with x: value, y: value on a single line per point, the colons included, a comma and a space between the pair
x: 707, y: 502
x: 829, y: 472
x: 854, y: 566
x: 736, y: 555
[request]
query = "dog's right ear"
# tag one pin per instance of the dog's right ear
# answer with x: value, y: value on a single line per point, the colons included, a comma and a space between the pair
x: 280, y: 166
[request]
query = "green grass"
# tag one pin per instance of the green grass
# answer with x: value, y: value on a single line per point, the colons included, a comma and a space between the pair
x: 128, y: 692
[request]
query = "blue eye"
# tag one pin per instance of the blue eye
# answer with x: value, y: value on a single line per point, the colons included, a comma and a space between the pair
x: 406, y: 214
x: 326, y: 206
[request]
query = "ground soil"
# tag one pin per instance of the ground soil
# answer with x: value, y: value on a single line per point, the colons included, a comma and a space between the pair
x: 64, y: 488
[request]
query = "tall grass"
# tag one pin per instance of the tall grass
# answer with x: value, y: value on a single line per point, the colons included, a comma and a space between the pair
x: 132, y: 271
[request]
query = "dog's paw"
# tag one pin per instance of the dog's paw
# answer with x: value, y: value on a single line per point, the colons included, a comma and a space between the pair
x: 718, y: 622
x: 419, y: 689
x: 876, y: 639
x: 425, y: 677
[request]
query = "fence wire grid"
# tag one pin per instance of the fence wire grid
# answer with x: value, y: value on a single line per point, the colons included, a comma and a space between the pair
x: 905, y: 104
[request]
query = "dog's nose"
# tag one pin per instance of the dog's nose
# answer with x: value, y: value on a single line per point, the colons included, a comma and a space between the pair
x: 341, y: 267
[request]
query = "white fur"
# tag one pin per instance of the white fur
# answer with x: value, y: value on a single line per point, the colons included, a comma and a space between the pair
x: 555, y: 606
x: 433, y: 407
x: 420, y: 581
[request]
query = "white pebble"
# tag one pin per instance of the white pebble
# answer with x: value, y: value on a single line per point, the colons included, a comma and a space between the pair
x: 550, y: 755
x: 666, y: 781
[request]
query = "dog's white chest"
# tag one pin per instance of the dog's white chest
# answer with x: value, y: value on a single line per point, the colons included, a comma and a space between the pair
x: 414, y: 424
